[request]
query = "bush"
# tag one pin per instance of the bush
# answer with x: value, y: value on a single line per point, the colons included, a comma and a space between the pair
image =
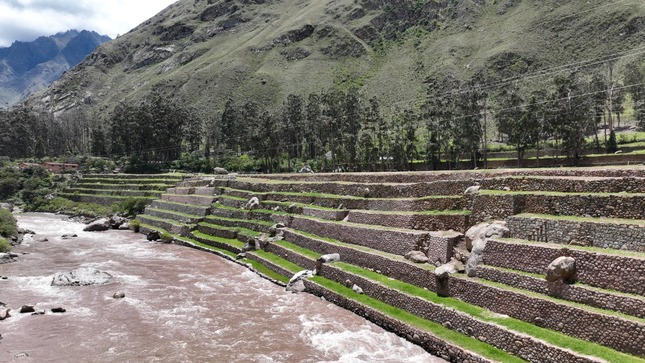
x: 5, y: 246
x: 612, y: 146
x: 8, y: 225
x: 135, y: 225
x: 131, y: 207
x: 165, y: 237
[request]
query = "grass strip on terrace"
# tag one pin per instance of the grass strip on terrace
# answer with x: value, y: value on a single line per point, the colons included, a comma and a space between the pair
x: 164, y: 201
x: 218, y: 218
x: 312, y: 254
x: 265, y: 211
x: 464, y: 341
x: 638, y: 222
x: 578, y: 284
x: 600, y: 250
x: 244, y: 231
x: 452, y: 336
x: 550, y: 336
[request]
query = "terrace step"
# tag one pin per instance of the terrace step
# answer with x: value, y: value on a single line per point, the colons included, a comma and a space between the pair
x: 393, y: 240
x: 194, y: 199
x: 229, y: 212
x: 206, y: 191
x: 367, y: 190
x: 455, y: 202
x: 155, y: 187
x: 429, y: 220
x: 242, y: 234
x: 429, y: 306
x: 255, y: 225
x: 94, y: 198
x: 502, y: 204
x: 199, y: 210
x: 609, y: 269
x: 116, y: 192
x: 170, y: 225
x: 575, y: 184
x: 175, y: 216
x: 604, y: 299
x: 623, y: 234
x: 550, y: 313
x: 169, y: 177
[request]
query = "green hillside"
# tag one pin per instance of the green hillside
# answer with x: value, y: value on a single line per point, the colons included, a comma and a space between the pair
x: 205, y: 52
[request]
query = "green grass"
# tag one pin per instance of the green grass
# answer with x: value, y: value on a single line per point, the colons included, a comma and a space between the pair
x: 255, y: 221
x: 186, y: 215
x: 240, y: 230
x: 462, y: 340
x: 550, y: 336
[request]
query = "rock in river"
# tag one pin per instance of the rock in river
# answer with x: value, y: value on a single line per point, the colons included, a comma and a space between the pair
x: 83, y: 276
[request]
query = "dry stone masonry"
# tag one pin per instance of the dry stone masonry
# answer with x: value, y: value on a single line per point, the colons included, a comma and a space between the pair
x: 561, y: 249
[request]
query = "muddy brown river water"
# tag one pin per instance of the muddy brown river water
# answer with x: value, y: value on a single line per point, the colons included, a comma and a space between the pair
x: 181, y: 305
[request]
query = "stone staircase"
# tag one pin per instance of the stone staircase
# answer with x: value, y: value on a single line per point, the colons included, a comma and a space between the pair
x: 508, y: 312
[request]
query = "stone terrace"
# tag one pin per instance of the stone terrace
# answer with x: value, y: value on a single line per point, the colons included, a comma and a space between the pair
x: 508, y: 312
x: 111, y: 188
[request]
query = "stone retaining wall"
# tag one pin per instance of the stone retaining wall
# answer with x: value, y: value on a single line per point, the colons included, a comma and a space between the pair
x: 400, y: 270
x: 591, y: 185
x: 607, y: 271
x: 362, y: 189
x: 189, y: 199
x: 630, y: 305
x: 428, y: 222
x: 518, y: 344
x: 392, y: 241
x: 620, y: 236
x: 330, y: 214
x: 424, y: 339
x: 181, y: 208
x: 612, y: 331
x: 161, y: 213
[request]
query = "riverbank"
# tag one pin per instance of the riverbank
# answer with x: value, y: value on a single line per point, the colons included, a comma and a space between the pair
x: 180, y: 305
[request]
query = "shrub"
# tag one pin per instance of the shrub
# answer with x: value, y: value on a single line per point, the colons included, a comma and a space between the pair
x: 8, y: 225
x: 165, y: 237
x: 133, y: 206
x: 612, y: 146
x: 5, y: 246
x: 135, y: 225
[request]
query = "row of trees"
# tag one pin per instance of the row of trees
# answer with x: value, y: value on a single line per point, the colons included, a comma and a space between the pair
x: 334, y: 129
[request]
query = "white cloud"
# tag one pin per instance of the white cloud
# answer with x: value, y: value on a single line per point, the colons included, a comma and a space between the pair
x: 25, y: 20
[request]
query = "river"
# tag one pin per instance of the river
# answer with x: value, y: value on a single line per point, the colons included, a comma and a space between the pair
x: 181, y: 305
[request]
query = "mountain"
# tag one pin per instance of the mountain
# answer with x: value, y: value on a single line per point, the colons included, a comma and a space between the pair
x: 204, y: 52
x: 28, y: 67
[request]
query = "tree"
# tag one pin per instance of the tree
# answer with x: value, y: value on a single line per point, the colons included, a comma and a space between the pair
x: 634, y: 76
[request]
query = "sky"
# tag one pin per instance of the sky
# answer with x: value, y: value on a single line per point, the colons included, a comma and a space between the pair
x: 26, y: 20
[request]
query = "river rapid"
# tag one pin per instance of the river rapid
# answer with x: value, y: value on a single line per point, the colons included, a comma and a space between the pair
x: 180, y: 305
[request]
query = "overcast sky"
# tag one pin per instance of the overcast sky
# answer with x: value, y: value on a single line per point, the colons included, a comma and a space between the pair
x: 26, y: 20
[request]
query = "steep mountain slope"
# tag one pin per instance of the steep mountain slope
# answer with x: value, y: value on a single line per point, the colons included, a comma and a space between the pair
x: 27, y: 67
x: 204, y: 52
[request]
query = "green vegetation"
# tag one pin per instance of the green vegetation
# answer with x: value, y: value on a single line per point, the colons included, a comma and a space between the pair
x: 8, y: 225
x: 165, y: 237
x: 135, y: 225
x: 5, y: 246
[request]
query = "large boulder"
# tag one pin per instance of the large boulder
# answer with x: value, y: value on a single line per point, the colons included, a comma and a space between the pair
x: 220, y: 171
x: 117, y: 221
x: 83, y: 276
x: 253, y: 203
x: 417, y: 257
x: 98, y: 225
x: 563, y: 267
x: 4, y: 313
x: 153, y: 236
x: 476, y: 238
